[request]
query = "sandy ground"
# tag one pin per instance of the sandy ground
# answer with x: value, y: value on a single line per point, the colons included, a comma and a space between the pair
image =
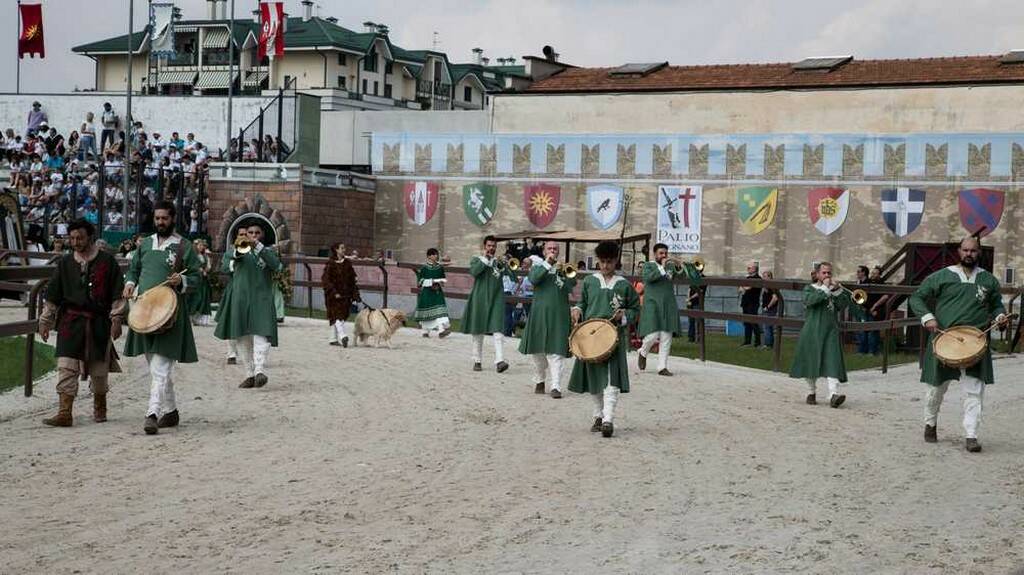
x: 405, y: 461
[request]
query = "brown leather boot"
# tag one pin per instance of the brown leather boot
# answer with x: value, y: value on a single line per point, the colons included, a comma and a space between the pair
x: 99, y: 407
x: 63, y: 417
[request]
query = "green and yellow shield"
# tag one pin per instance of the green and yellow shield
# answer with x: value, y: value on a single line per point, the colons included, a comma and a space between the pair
x: 756, y: 208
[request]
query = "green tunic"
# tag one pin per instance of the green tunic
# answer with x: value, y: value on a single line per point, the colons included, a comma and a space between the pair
x: 430, y: 302
x: 84, y: 301
x: 247, y: 306
x: 952, y: 298
x: 548, y: 325
x: 819, y: 353
x: 151, y: 266
x: 485, y: 308
x: 660, y: 309
x: 199, y: 298
x: 600, y: 299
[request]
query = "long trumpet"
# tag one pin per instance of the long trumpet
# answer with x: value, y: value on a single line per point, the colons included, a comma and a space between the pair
x: 243, y: 246
x: 859, y: 296
x: 697, y: 263
x: 510, y: 263
x: 566, y: 270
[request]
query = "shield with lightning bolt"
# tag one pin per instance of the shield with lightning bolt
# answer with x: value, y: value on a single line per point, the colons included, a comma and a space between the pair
x: 541, y: 203
x: 756, y: 208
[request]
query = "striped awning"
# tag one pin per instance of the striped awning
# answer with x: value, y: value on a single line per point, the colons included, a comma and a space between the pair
x: 175, y: 77
x: 216, y: 38
x: 185, y: 28
x: 255, y: 78
x: 214, y: 79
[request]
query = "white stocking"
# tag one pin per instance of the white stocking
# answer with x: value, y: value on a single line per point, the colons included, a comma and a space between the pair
x: 598, y: 404
x: 260, y: 347
x: 499, y: 352
x: 555, y: 366
x: 664, y: 347
x: 245, y: 348
x: 973, y: 391
x: 611, y: 397
x: 933, y: 401
x: 478, y: 347
x: 540, y: 364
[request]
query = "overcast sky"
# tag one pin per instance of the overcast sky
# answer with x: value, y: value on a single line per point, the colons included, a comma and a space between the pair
x: 588, y: 33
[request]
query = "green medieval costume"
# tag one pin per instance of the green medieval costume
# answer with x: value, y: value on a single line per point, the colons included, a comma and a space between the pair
x: 247, y: 306
x: 660, y: 311
x: 819, y: 353
x: 600, y: 298
x: 199, y: 298
x: 548, y: 326
x: 151, y: 266
x: 485, y: 308
x: 953, y: 298
x: 430, y: 302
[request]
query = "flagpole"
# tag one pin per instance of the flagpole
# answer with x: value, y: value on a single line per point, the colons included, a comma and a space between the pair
x: 17, y: 53
x: 231, y: 76
x: 128, y: 113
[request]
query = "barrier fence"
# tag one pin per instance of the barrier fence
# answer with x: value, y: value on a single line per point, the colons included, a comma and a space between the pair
x: 20, y: 278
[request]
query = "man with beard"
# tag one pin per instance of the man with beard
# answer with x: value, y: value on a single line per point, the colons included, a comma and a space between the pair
x: 546, y: 335
x: 963, y: 294
x: 659, y: 316
x: 165, y: 258
x: 84, y: 301
x: 485, y: 307
x: 246, y: 311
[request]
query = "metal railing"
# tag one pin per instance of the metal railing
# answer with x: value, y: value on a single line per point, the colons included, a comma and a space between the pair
x: 277, y: 117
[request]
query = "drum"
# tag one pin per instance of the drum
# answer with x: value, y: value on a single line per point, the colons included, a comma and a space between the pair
x: 960, y: 347
x: 154, y: 311
x: 594, y: 340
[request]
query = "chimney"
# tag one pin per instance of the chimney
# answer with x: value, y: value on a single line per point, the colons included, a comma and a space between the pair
x: 307, y: 10
x: 222, y: 14
x: 382, y: 29
x: 256, y: 16
x: 485, y: 60
x: 332, y: 19
x: 511, y: 60
x: 211, y: 9
x: 369, y: 27
x: 478, y: 55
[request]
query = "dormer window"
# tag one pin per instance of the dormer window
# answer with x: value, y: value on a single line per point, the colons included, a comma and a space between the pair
x: 370, y: 62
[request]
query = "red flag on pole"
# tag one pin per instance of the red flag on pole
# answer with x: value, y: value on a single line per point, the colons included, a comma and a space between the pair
x: 31, y: 39
x: 271, y: 29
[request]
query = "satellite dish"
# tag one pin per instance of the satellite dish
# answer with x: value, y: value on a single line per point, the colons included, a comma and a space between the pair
x: 549, y: 52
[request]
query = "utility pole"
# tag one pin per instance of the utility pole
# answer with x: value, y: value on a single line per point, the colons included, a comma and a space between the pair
x: 231, y: 76
x: 128, y: 113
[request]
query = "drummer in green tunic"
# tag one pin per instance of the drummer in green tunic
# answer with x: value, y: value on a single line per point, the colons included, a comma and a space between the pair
x: 246, y: 311
x: 485, y: 308
x: 165, y: 258
x: 659, y: 318
x: 963, y: 294
x: 819, y: 353
x: 605, y: 295
x: 546, y: 336
x: 431, y: 307
x: 199, y: 299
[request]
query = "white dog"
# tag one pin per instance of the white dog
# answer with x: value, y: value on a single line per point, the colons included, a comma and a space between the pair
x: 379, y: 323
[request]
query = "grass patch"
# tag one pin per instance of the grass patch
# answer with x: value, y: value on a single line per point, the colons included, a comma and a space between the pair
x: 12, y: 361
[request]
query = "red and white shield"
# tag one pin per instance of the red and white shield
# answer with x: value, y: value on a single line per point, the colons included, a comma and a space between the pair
x: 420, y: 201
x: 541, y: 203
x: 827, y: 208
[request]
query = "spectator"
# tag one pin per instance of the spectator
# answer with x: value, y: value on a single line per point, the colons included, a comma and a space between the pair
x: 36, y: 119
x: 693, y: 302
x: 110, y: 123
x: 176, y: 141
x: 770, y: 308
x: 870, y: 342
x: 88, y: 143
x: 190, y: 142
x: 74, y: 141
x: 750, y: 302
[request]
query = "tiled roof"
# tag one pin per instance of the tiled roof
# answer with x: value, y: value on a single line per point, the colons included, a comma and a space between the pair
x: 857, y: 73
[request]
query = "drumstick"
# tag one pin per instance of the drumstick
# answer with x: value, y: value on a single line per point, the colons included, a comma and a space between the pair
x: 1009, y: 317
x: 163, y: 283
x: 944, y: 332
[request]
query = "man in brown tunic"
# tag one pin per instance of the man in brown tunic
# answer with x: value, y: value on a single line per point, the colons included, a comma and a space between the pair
x: 340, y: 290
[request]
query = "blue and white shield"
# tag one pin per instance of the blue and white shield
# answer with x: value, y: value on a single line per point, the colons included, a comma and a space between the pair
x: 902, y: 210
x: 604, y: 202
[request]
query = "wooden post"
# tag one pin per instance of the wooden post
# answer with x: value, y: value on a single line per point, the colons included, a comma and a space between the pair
x: 701, y: 332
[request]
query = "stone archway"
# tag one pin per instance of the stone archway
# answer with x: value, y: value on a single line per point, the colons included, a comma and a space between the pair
x: 255, y: 207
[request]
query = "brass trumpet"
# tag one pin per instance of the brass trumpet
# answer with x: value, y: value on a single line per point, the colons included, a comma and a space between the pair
x: 243, y: 246
x: 566, y: 270
x: 697, y: 263
x: 511, y: 263
x: 859, y: 296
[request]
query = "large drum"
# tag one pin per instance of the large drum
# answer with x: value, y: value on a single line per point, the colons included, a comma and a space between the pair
x: 154, y: 311
x: 594, y: 340
x: 960, y: 347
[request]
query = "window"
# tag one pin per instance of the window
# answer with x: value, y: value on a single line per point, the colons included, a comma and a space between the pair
x: 387, y: 90
x: 467, y: 94
x: 341, y: 81
x: 341, y: 59
x: 364, y: 85
x: 370, y: 62
x: 376, y: 86
x: 388, y: 67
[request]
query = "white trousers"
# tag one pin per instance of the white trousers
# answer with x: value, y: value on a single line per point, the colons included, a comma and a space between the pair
x: 337, y: 331
x: 438, y: 323
x: 478, y: 347
x: 254, y: 350
x: 664, y: 339
x: 161, y: 387
x: 232, y: 348
x: 604, y: 403
x: 972, y: 392
x: 833, y: 386
x: 543, y: 364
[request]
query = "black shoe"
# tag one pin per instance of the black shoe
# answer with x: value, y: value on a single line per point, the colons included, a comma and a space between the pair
x: 260, y: 380
x: 539, y: 388
x: 447, y: 331
x: 607, y: 429
x: 501, y: 367
x: 168, y: 419
x: 150, y: 426
x: 597, y: 425
x: 248, y: 382
x: 344, y: 341
x: 811, y: 399
x: 555, y: 394
x: 232, y: 361
x: 665, y: 372
x: 335, y: 343
x: 426, y: 335
x: 930, y: 435
x: 641, y: 363
x: 477, y: 367
x: 836, y: 400
x: 972, y: 445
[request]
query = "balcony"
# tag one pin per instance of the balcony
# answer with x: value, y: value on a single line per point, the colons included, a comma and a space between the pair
x: 436, y: 90
x: 181, y: 59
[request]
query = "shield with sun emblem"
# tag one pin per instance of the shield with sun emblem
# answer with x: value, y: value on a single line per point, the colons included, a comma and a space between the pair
x: 541, y: 203
x: 827, y: 208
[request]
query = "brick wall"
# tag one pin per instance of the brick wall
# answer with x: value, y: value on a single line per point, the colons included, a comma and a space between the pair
x: 285, y: 197
x: 330, y: 215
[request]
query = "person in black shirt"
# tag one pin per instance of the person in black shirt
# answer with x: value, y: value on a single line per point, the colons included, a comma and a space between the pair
x: 750, y: 302
x: 693, y: 302
x: 871, y: 340
x: 769, y: 307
